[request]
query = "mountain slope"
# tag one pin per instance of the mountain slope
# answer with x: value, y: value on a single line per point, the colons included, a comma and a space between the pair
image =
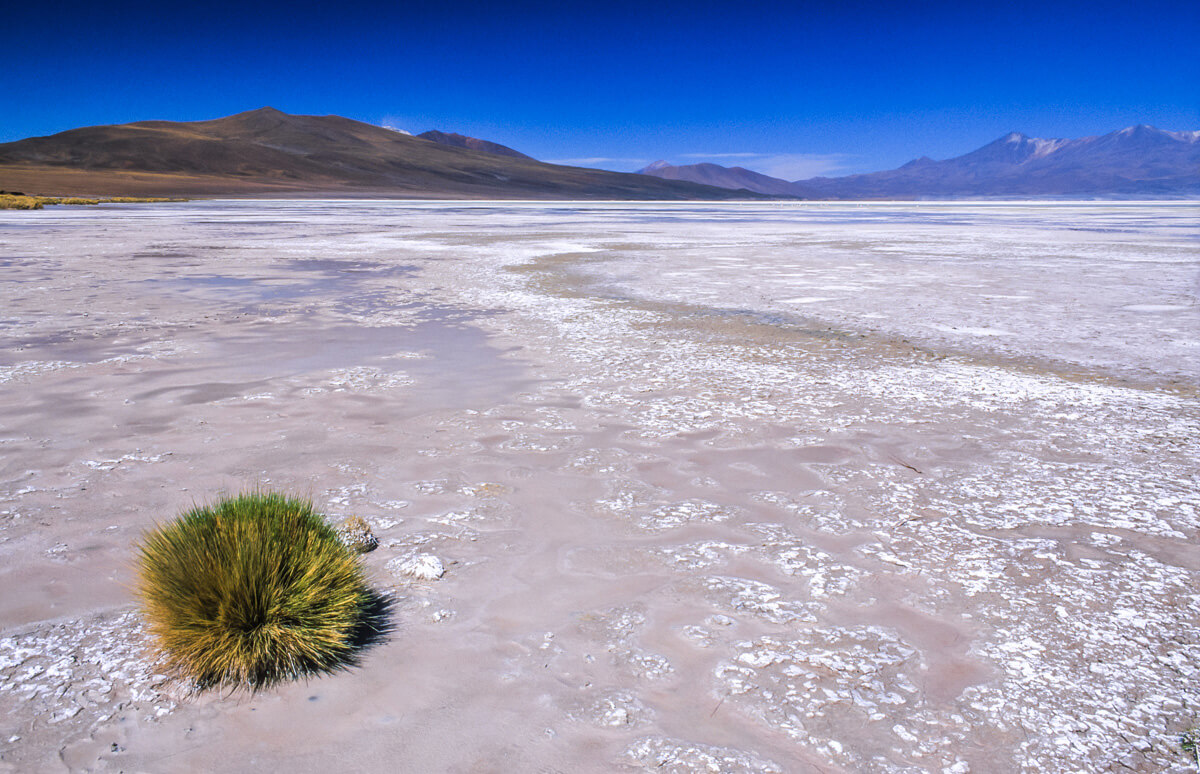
x: 1136, y: 161
x: 266, y: 151
x: 462, y: 141
x: 723, y: 177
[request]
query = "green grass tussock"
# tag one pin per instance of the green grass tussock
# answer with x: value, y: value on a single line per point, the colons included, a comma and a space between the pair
x: 250, y: 591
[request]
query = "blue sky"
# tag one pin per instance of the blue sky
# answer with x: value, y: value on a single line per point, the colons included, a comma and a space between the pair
x: 789, y: 89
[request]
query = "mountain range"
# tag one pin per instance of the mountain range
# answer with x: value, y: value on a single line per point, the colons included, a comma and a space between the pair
x: 268, y: 152
x: 1131, y: 162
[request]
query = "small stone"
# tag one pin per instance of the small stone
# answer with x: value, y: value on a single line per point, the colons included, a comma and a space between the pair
x: 421, y: 567
x: 356, y: 534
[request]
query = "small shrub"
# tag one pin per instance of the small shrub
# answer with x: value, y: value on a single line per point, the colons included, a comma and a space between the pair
x: 251, y: 590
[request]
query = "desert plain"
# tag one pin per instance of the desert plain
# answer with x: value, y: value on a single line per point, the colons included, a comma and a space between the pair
x: 755, y: 487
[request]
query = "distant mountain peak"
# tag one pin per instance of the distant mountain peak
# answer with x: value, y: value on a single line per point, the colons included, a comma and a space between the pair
x: 263, y: 112
x: 660, y: 164
x: 1135, y: 161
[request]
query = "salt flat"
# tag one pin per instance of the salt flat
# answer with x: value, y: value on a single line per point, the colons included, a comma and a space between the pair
x: 754, y: 487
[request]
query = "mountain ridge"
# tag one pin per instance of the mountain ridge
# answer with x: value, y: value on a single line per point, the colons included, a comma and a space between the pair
x: 1137, y: 160
x: 474, y: 143
x: 269, y: 152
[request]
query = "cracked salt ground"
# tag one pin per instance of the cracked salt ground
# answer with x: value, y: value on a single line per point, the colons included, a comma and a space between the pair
x: 816, y: 685
x: 613, y: 709
x: 78, y: 676
x: 678, y: 757
x: 879, y: 498
x: 694, y: 533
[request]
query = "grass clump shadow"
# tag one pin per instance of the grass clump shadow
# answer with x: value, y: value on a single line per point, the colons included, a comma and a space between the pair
x: 254, y: 590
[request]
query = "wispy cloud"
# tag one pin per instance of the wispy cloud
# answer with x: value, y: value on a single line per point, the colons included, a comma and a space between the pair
x: 787, y: 166
x: 395, y: 123
x: 798, y: 166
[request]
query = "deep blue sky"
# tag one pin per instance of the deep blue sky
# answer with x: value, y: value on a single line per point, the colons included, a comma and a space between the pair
x: 798, y: 88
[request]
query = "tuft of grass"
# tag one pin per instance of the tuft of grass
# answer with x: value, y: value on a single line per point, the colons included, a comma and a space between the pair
x: 19, y: 202
x: 1189, y: 742
x: 137, y: 199
x: 252, y: 590
x: 16, y: 201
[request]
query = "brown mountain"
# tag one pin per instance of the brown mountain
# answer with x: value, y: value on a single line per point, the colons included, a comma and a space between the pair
x: 267, y: 152
x: 463, y: 141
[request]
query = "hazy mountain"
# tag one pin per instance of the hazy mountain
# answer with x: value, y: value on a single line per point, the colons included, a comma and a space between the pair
x: 722, y: 177
x: 1137, y: 161
x: 269, y: 152
x: 462, y: 141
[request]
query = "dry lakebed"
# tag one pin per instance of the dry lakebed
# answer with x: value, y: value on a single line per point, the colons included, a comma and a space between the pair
x: 769, y: 487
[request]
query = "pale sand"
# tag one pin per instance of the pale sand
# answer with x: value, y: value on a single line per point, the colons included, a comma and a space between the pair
x: 715, y: 487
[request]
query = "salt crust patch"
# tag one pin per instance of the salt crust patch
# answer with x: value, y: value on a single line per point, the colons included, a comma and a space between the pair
x: 616, y: 629
x: 823, y: 681
x: 359, y: 380
x: 540, y: 442
x: 1093, y: 655
x: 629, y: 500
x: 676, y: 756
x: 1154, y: 308
x: 31, y: 369
x: 137, y: 456
x: 613, y: 709
x: 968, y: 266
x: 808, y: 299
x: 84, y: 673
x: 968, y: 330
x: 664, y: 387
x: 1093, y: 649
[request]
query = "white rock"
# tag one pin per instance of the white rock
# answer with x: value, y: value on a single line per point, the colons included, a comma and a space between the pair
x: 421, y: 567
